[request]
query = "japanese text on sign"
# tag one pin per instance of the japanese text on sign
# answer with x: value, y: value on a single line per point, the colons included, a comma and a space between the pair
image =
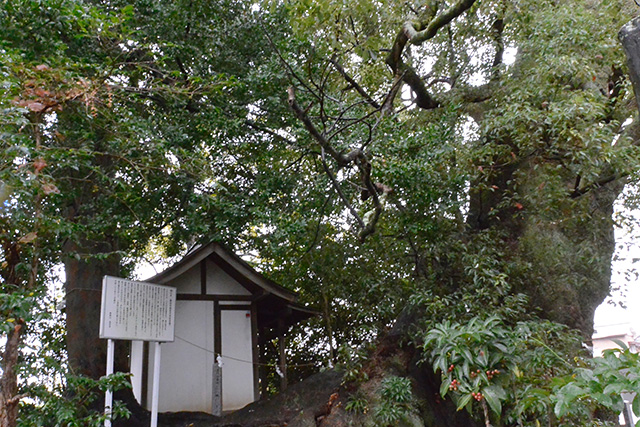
x: 137, y: 310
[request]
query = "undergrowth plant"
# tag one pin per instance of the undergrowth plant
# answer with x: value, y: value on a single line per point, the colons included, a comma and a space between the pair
x: 396, y: 400
x: 524, y: 374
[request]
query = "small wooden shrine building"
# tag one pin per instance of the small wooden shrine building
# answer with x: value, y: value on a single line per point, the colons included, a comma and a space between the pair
x: 224, y: 310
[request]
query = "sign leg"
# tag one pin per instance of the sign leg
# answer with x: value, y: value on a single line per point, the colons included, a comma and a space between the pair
x: 108, y: 396
x: 156, y: 385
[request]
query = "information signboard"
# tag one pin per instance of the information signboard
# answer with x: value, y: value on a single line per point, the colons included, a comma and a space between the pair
x: 137, y: 310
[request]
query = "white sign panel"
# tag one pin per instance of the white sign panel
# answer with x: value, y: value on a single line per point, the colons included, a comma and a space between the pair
x: 137, y: 310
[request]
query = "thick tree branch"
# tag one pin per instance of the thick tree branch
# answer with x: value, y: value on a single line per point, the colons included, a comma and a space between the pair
x: 372, y: 220
x: 320, y: 138
x: 497, y: 29
x: 336, y: 185
x: 409, y: 75
x: 421, y: 31
x: 416, y: 83
x: 354, y: 84
x: 417, y: 33
x: 577, y: 192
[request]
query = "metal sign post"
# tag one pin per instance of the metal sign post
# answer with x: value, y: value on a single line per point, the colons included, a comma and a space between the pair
x: 136, y: 311
x: 108, y: 397
x: 156, y: 385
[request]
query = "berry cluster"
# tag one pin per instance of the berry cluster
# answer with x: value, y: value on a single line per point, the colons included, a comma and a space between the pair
x: 491, y: 374
x: 454, y: 385
x: 477, y: 396
x: 450, y: 368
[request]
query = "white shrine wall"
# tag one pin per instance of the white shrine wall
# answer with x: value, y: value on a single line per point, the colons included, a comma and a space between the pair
x: 237, y: 363
x: 186, y: 374
x: 220, y: 283
x: 189, y: 281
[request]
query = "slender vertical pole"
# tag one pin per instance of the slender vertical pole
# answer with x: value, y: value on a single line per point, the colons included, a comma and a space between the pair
x: 283, y: 357
x: 216, y: 404
x: 156, y: 385
x: 108, y: 396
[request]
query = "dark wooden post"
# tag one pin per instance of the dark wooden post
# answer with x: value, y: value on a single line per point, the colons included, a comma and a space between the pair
x: 255, y: 350
x: 282, y: 356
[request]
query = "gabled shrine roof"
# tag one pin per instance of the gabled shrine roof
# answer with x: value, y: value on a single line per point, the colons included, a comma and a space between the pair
x: 274, y: 301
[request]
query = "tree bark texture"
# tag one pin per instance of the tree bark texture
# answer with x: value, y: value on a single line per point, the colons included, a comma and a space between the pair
x: 629, y: 36
x: 9, y: 397
x: 572, y: 263
x: 84, y: 272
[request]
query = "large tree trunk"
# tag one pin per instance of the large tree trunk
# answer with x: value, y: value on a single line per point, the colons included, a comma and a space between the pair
x: 85, y: 267
x: 569, y: 257
x: 9, y: 398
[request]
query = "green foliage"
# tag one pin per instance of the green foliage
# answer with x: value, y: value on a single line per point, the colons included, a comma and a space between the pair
x: 396, y: 390
x: 512, y: 369
x: 600, y: 383
x: 395, y: 402
x: 108, y: 111
x: 389, y: 414
x: 475, y: 360
x: 352, y: 362
x: 357, y: 403
x: 71, y: 409
x: 144, y: 124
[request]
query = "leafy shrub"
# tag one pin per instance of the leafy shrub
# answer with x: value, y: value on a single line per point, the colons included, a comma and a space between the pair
x: 506, y: 371
x: 357, y: 404
x: 396, y: 399
x: 70, y: 406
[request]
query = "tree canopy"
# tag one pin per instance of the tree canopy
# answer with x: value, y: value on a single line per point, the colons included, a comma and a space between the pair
x: 442, y: 161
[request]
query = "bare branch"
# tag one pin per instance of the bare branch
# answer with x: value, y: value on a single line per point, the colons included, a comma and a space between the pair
x: 317, y: 232
x: 387, y: 105
x: 354, y: 84
x: 317, y: 135
x: 286, y: 64
x: 350, y: 124
x: 252, y: 124
x: 336, y: 185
